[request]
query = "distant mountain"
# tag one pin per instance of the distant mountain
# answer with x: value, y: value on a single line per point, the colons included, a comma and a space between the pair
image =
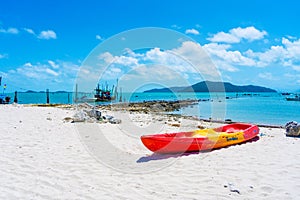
x: 32, y: 91
x: 209, y: 86
x: 172, y: 89
x: 61, y: 91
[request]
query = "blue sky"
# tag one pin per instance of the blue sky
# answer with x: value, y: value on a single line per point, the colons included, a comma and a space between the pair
x: 44, y: 43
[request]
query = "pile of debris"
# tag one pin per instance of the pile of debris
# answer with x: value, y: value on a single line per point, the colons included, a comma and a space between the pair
x: 92, y: 116
x: 292, y: 129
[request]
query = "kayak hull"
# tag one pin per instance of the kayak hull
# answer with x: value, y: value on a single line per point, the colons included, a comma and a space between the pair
x: 200, y: 140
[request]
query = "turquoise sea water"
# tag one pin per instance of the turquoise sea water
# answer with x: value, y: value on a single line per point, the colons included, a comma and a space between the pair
x: 262, y: 108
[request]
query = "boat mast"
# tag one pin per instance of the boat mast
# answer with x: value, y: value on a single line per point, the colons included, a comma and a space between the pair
x: 120, y: 100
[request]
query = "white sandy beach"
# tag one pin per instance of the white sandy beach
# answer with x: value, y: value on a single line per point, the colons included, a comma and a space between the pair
x: 43, y: 157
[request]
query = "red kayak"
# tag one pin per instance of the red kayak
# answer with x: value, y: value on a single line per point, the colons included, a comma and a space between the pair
x: 199, y: 140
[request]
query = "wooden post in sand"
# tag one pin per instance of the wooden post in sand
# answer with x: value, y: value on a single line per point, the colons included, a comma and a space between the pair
x: 47, y: 94
x: 16, y: 97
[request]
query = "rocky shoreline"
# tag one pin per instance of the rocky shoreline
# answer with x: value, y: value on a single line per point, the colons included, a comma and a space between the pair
x: 161, y: 106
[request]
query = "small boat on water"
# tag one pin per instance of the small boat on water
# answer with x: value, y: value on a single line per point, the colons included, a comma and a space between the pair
x: 285, y: 93
x: 102, y: 95
x: 294, y: 98
x: 199, y: 140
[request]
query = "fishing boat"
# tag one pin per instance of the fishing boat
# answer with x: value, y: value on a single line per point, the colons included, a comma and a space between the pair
x: 105, y: 94
x: 199, y: 140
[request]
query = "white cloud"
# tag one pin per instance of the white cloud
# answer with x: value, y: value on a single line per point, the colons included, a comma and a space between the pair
x: 116, y: 70
x: 38, y: 76
x: 155, y: 55
x: 224, y: 37
x: 215, y: 47
x: 49, y: 34
x: 9, y: 30
x: 292, y: 48
x: 225, y: 59
x: 193, y: 53
x: 235, y: 35
x: 30, y: 31
x: 192, y: 31
x: 125, y: 60
x: 98, y: 37
x: 287, y: 54
x: 248, y: 33
x: 129, y: 52
x: 271, y: 56
x: 53, y: 64
x: 51, y: 72
x: 168, y: 58
x: 291, y: 37
x: 189, y: 58
x: 28, y: 71
x: 152, y: 56
x: 267, y: 76
x: 46, y: 34
x: 158, y: 74
x: 28, y: 64
x: 37, y: 71
x: 108, y: 58
x: 46, y: 71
